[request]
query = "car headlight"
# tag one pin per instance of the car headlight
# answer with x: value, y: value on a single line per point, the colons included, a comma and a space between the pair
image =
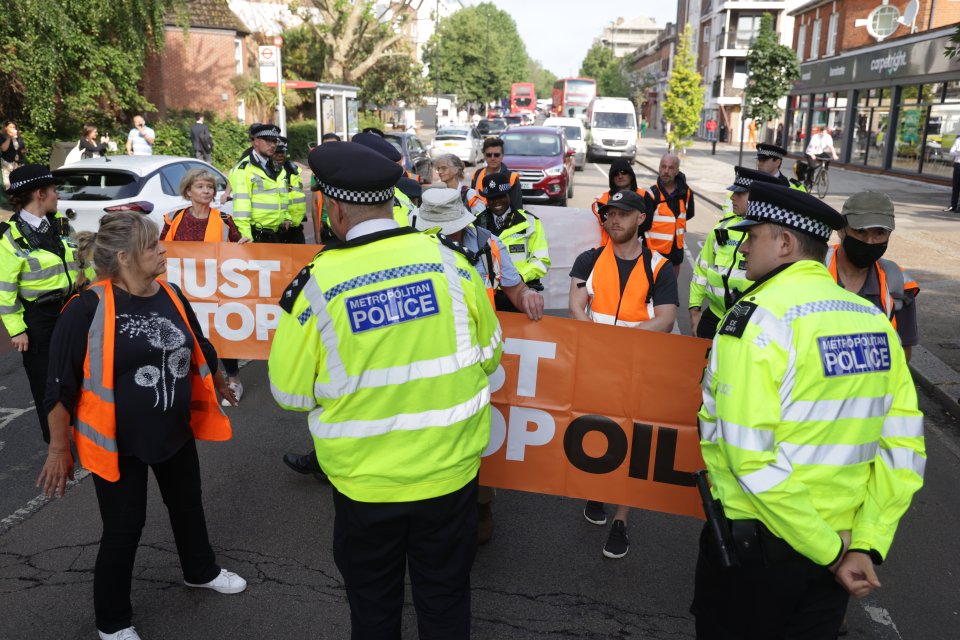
x: 555, y: 171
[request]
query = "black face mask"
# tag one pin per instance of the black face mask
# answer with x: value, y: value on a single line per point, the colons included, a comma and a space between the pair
x: 862, y: 254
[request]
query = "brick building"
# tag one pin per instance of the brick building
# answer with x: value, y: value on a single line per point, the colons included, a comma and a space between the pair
x: 873, y: 74
x: 651, y: 65
x: 195, y: 68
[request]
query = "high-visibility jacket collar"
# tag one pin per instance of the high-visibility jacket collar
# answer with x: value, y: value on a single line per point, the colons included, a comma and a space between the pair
x: 216, y: 230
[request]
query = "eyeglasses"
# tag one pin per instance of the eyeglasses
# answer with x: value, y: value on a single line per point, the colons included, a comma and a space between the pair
x: 492, y: 155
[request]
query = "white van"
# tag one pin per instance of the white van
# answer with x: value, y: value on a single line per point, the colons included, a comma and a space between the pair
x: 611, y: 129
x: 576, y: 137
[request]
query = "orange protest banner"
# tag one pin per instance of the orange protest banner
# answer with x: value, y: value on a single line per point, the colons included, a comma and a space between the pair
x: 597, y: 412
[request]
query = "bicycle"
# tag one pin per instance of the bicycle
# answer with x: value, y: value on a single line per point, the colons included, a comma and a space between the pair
x: 816, y: 177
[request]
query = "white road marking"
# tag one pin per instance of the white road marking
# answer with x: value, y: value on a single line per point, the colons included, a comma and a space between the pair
x: 880, y: 616
x: 8, y: 415
x: 27, y: 510
x: 603, y: 173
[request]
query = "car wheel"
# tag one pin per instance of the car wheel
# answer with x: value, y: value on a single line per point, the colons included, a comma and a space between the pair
x: 562, y: 202
x: 570, y: 186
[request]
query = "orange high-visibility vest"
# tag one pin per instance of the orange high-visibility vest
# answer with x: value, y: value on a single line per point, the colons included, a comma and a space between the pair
x: 478, y: 180
x: 492, y: 281
x: 607, y: 306
x: 602, y: 200
x: 216, y: 230
x: 666, y: 224
x: 95, y: 428
x: 891, y: 277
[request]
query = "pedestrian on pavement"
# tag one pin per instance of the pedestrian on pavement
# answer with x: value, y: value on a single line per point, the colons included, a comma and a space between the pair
x: 38, y: 272
x: 672, y: 205
x: 402, y: 450
x: 955, y: 193
x: 134, y: 375
x: 88, y: 143
x: 752, y: 127
x: 810, y: 432
x: 493, y: 154
x: 521, y: 232
x: 201, y: 139
x: 770, y: 159
x: 373, y: 139
x: 857, y: 264
x: 625, y: 284
x: 13, y: 151
x: 296, y: 197
x: 719, y: 273
x: 259, y: 188
x: 451, y: 171
x: 201, y: 223
x: 621, y: 178
x: 141, y: 138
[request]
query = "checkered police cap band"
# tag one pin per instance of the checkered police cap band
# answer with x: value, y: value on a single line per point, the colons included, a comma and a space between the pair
x: 20, y: 184
x: 743, y: 181
x: 352, y: 195
x: 769, y: 153
x: 767, y: 212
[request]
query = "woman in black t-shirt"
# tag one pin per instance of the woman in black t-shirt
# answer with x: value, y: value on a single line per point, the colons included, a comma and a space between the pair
x: 13, y: 151
x: 144, y: 413
x: 88, y: 143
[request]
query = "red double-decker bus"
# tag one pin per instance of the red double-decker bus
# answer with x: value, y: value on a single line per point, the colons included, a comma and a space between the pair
x: 523, y: 98
x: 572, y: 96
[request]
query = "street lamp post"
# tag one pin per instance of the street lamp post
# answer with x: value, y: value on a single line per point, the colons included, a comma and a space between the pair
x: 487, y: 61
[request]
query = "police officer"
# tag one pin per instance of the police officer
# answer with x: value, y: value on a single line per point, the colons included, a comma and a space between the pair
x: 387, y: 339
x: 770, y: 159
x: 521, y: 232
x: 38, y: 273
x: 296, y: 198
x: 858, y: 265
x: 718, y: 274
x: 373, y: 139
x: 259, y: 188
x: 811, y: 434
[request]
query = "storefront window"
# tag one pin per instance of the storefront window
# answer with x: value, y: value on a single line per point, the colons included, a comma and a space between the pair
x: 798, y: 124
x: 943, y: 127
x: 931, y: 93
x: 910, y: 126
x: 829, y: 113
x: 877, y: 136
x: 953, y: 91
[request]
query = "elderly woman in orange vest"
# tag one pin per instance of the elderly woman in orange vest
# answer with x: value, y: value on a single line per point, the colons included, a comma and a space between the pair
x: 135, y: 377
x: 200, y: 223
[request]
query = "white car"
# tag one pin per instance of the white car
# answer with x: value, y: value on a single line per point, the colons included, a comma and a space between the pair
x: 576, y: 137
x: 148, y: 184
x: 464, y: 142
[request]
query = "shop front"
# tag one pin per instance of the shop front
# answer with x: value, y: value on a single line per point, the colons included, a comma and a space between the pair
x: 894, y: 107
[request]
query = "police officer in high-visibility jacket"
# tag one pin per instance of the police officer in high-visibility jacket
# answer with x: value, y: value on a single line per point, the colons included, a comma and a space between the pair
x: 403, y: 207
x: 259, y: 189
x: 38, y: 273
x: 718, y: 273
x: 624, y: 284
x: 811, y: 434
x: 387, y: 339
x: 770, y: 159
x: 858, y: 265
x: 296, y: 198
x: 521, y: 232
x: 672, y: 205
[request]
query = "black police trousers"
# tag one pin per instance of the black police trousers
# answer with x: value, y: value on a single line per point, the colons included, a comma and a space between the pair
x: 781, y: 596
x: 374, y: 542
x: 40, y: 318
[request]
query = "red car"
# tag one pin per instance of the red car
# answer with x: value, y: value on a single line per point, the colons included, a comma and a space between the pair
x: 545, y: 164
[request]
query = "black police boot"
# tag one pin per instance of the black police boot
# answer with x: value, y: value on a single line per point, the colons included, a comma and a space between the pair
x: 306, y: 463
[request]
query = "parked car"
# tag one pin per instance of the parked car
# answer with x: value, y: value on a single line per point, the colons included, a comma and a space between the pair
x: 415, y: 157
x: 576, y: 138
x: 491, y: 127
x: 147, y: 184
x: 544, y: 161
x: 464, y: 142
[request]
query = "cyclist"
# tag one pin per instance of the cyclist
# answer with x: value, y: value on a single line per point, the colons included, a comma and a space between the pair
x: 821, y: 147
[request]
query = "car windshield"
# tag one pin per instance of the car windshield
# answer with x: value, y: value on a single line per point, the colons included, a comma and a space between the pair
x: 520, y: 144
x: 613, y: 121
x: 96, y: 184
x: 573, y: 133
x: 513, y: 119
x: 451, y: 134
x: 491, y: 126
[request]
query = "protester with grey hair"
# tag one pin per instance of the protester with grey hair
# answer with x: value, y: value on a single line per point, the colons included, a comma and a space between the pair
x: 450, y: 170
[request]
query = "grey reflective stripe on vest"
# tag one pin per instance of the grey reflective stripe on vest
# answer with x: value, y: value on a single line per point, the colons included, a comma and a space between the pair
x: 895, y: 282
x: 94, y: 383
x: 98, y: 438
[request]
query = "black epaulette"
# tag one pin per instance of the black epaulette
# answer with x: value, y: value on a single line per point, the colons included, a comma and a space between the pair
x: 528, y: 213
x: 243, y: 163
x: 292, y: 292
x: 456, y: 246
x: 3, y: 227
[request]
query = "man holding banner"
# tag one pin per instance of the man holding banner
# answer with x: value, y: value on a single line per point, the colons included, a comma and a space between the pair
x: 387, y: 338
x: 810, y: 432
x: 623, y: 284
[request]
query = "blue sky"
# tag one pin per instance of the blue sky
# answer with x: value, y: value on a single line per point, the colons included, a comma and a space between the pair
x: 559, y: 32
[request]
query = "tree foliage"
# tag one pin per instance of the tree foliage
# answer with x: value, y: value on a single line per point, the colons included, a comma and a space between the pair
x: 598, y: 59
x: 773, y: 69
x: 541, y: 77
x: 684, y: 100
x: 63, y: 62
x: 392, y: 80
x: 601, y: 65
x: 952, y: 50
x: 456, y: 54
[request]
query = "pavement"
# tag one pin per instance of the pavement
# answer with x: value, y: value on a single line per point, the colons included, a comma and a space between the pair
x: 926, y: 243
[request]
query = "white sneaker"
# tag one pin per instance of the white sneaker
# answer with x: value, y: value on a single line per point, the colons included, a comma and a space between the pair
x: 237, y: 388
x: 124, y: 634
x: 226, y: 582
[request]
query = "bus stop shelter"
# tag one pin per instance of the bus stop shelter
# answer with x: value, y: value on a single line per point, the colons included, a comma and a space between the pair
x: 337, y: 106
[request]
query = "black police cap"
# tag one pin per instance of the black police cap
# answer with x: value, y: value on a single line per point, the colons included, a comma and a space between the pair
x: 30, y: 177
x: 766, y: 150
x: 378, y: 144
x: 776, y: 204
x: 410, y: 187
x: 626, y: 201
x: 746, y: 177
x: 353, y: 173
x: 495, y: 184
x: 268, y: 131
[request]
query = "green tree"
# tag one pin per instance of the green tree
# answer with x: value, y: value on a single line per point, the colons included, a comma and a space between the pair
x: 684, y: 100
x: 64, y: 62
x: 601, y: 65
x: 456, y: 54
x: 394, y: 79
x: 596, y: 62
x: 773, y: 69
x: 541, y: 77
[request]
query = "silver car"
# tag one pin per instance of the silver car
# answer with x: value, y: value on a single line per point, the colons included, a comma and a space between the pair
x: 148, y: 184
x: 464, y: 142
